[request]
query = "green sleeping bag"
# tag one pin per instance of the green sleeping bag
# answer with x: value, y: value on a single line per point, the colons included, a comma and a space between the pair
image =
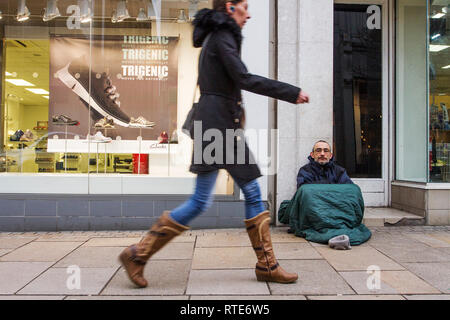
x: 319, y: 212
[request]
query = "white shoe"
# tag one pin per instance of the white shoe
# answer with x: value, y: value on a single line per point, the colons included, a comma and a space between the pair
x: 141, y: 122
x: 98, y: 137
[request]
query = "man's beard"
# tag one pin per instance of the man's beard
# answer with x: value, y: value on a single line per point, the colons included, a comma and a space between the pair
x: 323, y: 162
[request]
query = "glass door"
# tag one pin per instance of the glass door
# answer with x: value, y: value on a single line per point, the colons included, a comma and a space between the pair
x: 360, y: 128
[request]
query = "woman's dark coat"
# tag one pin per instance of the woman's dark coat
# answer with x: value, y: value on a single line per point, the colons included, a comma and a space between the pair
x: 222, y: 76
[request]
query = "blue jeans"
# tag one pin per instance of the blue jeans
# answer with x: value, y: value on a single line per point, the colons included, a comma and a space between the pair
x: 202, y: 199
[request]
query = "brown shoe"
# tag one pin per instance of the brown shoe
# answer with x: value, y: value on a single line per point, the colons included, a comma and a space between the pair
x: 136, y: 256
x: 267, y: 267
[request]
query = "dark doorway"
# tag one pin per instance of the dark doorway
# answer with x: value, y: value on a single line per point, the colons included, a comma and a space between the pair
x: 358, y: 89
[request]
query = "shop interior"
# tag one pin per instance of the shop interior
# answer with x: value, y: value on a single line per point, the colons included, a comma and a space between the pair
x: 31, y: 141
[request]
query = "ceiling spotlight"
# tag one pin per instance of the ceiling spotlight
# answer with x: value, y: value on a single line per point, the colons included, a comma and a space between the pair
x: 122, y: 11
x: 51, y: 12
x: 182, y: 17
x: 85, y: 11
x: 23, y: 13
x: 142, y: 16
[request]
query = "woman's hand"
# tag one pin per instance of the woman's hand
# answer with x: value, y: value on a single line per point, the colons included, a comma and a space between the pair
x: 303, y: 97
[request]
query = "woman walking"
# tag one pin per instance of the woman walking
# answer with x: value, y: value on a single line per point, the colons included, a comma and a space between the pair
x: 222, y: 76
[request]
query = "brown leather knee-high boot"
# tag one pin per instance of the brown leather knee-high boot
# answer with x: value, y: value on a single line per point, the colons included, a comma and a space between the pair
x: 267, y: 267
x: 136, y: 256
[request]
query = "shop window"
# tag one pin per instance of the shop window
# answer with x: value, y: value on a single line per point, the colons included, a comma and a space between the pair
x: 439, y: 90
x: 411, y: 91
x: 98, y: 88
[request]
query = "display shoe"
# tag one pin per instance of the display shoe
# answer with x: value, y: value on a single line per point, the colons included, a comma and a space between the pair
x: 98, y: 137
x: 103, y: 94
x: 105, y: 123
x: 64, y: 120
x: 141, y: 122
x: 174, y: 137
x: 16, y: 136
x: 163, y: 137
x: 135, y: 257
x: 27, y: 136
x: 267, y: 267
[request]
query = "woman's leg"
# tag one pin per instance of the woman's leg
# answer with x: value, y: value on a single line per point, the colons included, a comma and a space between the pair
x: 168, y: 226
x: 258, y: 229
x: 199, y: 202
x: 253, y: 201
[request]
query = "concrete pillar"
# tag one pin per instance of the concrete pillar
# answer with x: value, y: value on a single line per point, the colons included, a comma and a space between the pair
x: 305, y: 58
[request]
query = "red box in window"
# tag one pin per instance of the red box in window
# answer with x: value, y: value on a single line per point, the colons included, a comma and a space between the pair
x: 140, y: 163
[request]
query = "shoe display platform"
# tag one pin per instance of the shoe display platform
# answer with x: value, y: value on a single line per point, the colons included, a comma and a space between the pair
x: 115, y: 146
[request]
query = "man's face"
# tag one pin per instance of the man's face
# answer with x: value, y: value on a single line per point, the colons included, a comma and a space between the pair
x: 322, y: 153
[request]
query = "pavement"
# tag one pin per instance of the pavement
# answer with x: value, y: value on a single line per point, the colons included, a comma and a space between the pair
x: 397, y: 263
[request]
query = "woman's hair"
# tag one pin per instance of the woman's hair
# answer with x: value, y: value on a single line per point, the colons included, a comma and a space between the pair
x: 221, y: 5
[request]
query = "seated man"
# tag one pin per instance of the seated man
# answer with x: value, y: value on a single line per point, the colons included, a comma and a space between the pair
x: 321, y: 168
x: 327, y: 204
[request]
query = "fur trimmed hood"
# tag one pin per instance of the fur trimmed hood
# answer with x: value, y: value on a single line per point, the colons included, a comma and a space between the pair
x: 208, y: 20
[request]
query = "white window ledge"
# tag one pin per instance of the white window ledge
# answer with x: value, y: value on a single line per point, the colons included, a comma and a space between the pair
x: 94, y: 184
x: 422, y: 185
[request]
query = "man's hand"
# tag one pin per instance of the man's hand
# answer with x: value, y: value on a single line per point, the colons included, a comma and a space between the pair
x: 303, y: 97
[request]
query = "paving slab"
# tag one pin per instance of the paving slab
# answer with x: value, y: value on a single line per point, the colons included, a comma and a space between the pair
x: 62, y: 238
x: 126, y: 241
x: 436, y: 274
x: 15, y: 275
x: 265, y: 297
x: 358, y: 297
x: 287, y: 237
x: 58, y: 281
x: 92, y: 257
x: 391, y: 282
x: 5, y: 251
x: 224, y: 258
x: 112, y: 242
x: 165, y: 277
x: 428, y: 297
x: 314, y: 277
x: 295, y: 251
x: 358, y: 258
x: 176, y: 251
x: 441, y: 236
x: 226, y: 240
x: 429, y: 240
x: 14, y: 242
x: 41, y: 251
x: 225, y: 282
x: 445, y: 251
x: 36, y: 297
x: 127, y: 298
x: 409, y: 250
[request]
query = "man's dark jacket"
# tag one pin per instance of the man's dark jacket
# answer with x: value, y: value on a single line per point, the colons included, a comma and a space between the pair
x: 222, y: 76
x: 329, y: 173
